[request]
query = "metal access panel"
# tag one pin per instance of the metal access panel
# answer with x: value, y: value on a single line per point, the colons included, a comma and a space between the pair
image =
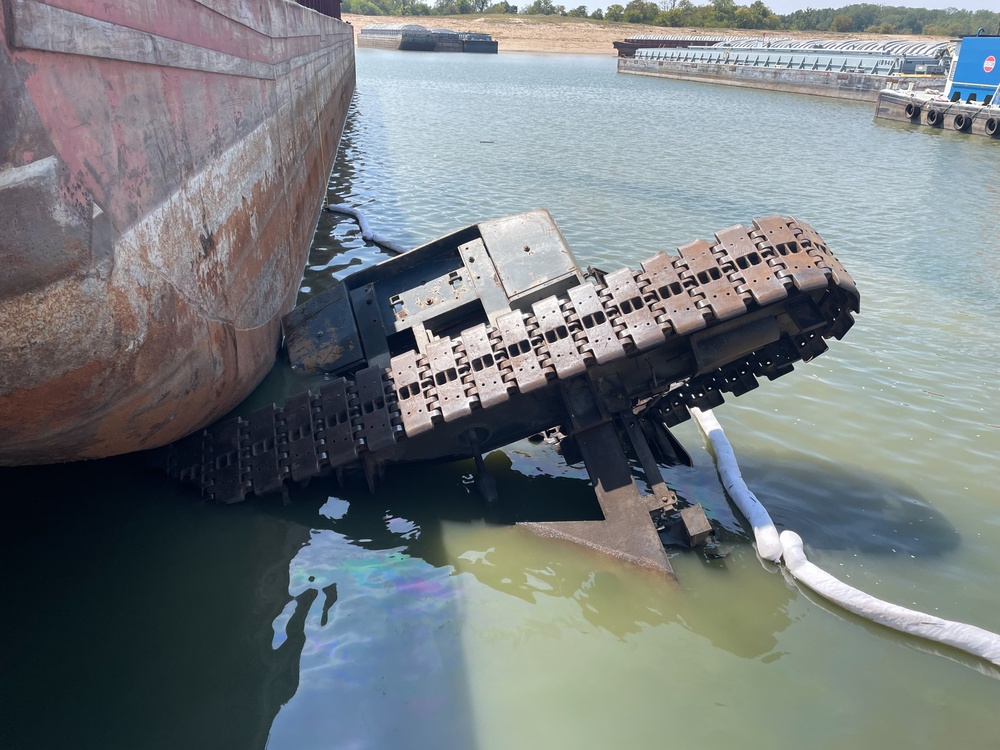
x: 366, y: 313
x: 531, y: 257
x: 485, y: 279
x: 976, y: 69
x: 321, y: 335
x: 423, y: 292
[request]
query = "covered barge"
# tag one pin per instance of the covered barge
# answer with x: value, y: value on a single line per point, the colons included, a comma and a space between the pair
x: 162, y: 166
x: 855, y: 70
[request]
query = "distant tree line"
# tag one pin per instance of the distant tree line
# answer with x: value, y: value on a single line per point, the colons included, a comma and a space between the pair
x: 717, y: 14
x: 887, y: 19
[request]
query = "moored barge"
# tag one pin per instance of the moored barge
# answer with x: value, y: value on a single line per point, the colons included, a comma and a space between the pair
x: 413, y: 37
x: 636, y: 42
x: 970, y: 102
x: 162, y: 167
x: 854, y: 70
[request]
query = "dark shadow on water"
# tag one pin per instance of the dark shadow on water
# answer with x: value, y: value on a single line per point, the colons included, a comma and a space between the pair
x: 135, y: 618
x: 429, y: 494
x: 834, y: 507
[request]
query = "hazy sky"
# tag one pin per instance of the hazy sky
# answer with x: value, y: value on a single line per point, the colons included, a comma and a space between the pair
x: 787, y: 6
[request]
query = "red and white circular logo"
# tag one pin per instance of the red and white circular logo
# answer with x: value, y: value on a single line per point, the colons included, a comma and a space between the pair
x: 988, y: 63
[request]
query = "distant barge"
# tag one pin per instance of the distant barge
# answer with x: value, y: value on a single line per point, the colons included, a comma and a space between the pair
x: 632, y: 44
x: 854, y: 70
x: 970, y: 102
x: 416, y: 38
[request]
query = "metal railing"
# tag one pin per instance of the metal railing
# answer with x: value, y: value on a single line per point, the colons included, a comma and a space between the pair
x: 794, y: 59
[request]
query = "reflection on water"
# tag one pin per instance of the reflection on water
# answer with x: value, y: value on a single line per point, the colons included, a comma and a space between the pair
x: 392, y: 664
x: 938, y: 650
x: 378, y: 669
x: 450, y: 532
x: 136, y: 617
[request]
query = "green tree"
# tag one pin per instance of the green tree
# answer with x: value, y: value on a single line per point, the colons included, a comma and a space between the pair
x: 725, y: 12
x: 453, y: 7
x: 864, y: 15
x: 365, y: 8
x: 615, y: 13
x: 842, y: 24
x: 578, y: 12
x: 502, y: 7
x: 950, y: 22
x: 756, y: 16
x: 679, y: 15
x: 597, y: 15
x: 639, y: 11
x: 540, y: 8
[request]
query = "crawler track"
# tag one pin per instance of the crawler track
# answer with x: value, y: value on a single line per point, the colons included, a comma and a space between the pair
x: 666, y: 337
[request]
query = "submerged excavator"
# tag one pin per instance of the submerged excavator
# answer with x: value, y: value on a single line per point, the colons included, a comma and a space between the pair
x: 494, y: 333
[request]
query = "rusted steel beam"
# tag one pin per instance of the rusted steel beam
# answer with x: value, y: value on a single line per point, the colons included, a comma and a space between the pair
x: 626, y: 531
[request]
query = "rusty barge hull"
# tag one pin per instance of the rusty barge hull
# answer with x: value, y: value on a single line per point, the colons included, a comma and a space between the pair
x: 162, y: 166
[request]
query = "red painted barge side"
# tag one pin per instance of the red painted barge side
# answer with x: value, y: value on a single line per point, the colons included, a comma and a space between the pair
x: 162, y: 166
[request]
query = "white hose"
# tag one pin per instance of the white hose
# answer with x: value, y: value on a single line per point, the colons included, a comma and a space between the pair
x: 968, y: 638
x: 366, y: 232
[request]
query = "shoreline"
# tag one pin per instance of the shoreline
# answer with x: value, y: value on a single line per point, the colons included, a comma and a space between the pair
x: 579, y: 36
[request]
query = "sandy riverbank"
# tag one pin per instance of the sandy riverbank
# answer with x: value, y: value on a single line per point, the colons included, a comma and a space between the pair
x: 571, y: 35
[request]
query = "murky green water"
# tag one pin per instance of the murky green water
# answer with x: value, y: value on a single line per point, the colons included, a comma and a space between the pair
x: 137, y: 618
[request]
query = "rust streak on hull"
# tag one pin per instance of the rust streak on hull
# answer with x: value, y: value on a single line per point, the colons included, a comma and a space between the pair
x: 161, y: 172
